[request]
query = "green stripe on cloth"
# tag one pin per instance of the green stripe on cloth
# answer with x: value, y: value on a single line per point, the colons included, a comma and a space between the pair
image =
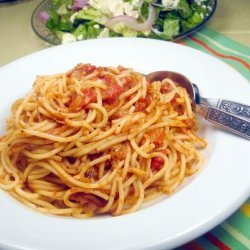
x: 235, y: 232
x: 226, y: 41
x: 241, y: 222
x: 227, y: 239
x: 223, y: 48
x: 227, y: 50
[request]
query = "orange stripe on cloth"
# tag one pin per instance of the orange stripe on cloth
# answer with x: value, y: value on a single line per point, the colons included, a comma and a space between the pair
x: 181, y: 41
x: 216, y: 241
x: 204, y: 45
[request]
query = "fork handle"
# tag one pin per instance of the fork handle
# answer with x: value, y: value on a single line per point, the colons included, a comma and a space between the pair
x: 227, y: 121
x: 231, y: 107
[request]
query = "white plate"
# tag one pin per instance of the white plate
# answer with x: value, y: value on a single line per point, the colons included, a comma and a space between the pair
x: 212, y: 195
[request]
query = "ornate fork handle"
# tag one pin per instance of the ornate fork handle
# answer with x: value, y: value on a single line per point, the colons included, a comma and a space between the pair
x: 226, y: 121
x: 234, y: 108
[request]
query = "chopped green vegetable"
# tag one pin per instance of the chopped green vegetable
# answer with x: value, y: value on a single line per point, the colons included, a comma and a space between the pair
x: 59, y: 5
x: 54, y: 16
x: 170, y: 28
x: 51, y: 25
x: 122, y: 29
x: 184, y: 9
x: 59, y: 34
x: 65, y: 26
x: 191, y: 21
x: 91, y: 14
x: 81, y: 32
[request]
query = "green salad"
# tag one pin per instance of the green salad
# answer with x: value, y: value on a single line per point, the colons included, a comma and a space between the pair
x: 72, y: 20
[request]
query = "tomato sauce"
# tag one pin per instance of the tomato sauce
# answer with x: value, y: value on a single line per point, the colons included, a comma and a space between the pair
x: 112, y: 93
x: 156, y: 136
x: 143, y: 103
x: 89, y: 96
x: 157, y: 163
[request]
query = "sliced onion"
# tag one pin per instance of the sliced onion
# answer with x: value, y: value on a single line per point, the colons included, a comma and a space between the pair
x: 140, y: 3
x: 44, y: 16
x: 79, y: 4
x: 132, y: 23
x: 156, y: 31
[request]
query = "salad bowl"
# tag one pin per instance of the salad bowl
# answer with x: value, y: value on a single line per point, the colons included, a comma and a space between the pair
x: 63, y: 21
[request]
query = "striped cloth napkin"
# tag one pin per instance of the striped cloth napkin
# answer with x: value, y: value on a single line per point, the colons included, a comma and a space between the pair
x: 233, y: 233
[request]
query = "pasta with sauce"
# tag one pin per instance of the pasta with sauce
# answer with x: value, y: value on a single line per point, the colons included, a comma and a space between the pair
x: 98, y: 140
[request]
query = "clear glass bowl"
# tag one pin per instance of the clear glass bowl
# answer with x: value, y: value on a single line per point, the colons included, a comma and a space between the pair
x: 46, y: 35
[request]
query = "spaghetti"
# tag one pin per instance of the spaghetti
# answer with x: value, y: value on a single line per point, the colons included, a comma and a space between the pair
x: 98, y: 140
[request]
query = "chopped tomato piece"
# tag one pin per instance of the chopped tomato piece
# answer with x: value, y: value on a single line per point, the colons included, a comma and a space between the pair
x: 156, y: 136
x: 108, y: 79
x: 143, y: 103
x: 89, y: 96
x: 88, y: 68
x: 157, y: 163
x: 81, y: 70
x: 127, y: 83
x: 85, y: 68
x: 165, y: 88
x: 112, y: 93
x: 174, y: 98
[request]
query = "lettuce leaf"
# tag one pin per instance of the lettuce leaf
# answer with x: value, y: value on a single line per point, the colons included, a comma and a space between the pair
x: 122, y: 29
x: 191, y: 21
x: 91, y: 14
x: 184, y: 9
x: 61, y: 6
x: 85, y: 31
x: 171, y: 28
